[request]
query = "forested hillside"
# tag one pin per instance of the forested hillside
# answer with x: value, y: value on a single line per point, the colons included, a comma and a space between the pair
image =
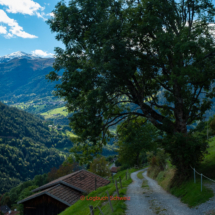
x: 19, y: 124
x: 27, y: 147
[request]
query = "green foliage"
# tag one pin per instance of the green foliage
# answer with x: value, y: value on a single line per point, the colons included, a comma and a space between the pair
x: 190, y: 192
x: 117, y: 163
x: 120, y: 56
x: 21, y: 125
x: 161, y: 159
x: 110, y: 158
x: 207, y: 166
x: 81, y: 207
x: 184, y: 150
x: 135, y: 137
x: 125, y: 166
x: 64, y: 169
x: 100, y: 167
x: 25, y: 154
x: 22, y: 191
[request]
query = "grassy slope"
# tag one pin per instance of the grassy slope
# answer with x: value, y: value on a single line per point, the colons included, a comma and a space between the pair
x: 190, y: 192
x: 62, y: 110
x: 82, y: 207
x: 208, y: 165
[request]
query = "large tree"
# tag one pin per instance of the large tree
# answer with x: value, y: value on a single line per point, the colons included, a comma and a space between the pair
x: 134, y: 138
x: 120, y: 54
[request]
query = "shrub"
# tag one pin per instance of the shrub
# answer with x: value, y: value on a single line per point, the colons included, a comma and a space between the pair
x: 184, y: 150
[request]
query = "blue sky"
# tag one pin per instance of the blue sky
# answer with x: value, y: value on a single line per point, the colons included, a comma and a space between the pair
x: 23, y: 27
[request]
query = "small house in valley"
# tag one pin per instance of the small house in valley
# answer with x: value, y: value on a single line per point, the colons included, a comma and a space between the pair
x: 57, y: 195
x: 114, y: 169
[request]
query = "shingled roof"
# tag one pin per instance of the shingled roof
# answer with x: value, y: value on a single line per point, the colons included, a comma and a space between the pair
x: 114, y: 169
x: 81, y: 180
x: 69, y: 188
x: 60, y: 192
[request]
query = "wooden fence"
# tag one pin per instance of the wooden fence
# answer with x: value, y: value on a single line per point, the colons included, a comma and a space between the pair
x: 127, y: 176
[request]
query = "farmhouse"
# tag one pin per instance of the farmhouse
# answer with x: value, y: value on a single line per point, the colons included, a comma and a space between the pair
x: 57, y: 195
x: 113, y: 169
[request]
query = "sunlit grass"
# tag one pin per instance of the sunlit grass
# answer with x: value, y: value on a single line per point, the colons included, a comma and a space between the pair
x: 119, y: 206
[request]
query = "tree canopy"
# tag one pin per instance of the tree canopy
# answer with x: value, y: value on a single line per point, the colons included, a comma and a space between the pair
x: 135, y: 138
x: 119, y: 55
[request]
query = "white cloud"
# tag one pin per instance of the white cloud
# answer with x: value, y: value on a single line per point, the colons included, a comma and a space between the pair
x: 15, y: 29
x: 42, y: 53
x: 51, y: 14
x: 3, y: 30
x: 28, y: 7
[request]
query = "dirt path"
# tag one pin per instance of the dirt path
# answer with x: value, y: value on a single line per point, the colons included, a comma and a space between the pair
x: 138, y: 203
x: 152, y: 199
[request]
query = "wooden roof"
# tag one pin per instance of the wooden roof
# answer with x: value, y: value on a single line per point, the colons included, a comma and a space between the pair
x: 81, y: 180
x: 69, y: 188
x: 62, y: 193
x: 114, y: 169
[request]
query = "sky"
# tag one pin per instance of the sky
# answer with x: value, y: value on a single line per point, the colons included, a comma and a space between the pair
x: 23, y: 27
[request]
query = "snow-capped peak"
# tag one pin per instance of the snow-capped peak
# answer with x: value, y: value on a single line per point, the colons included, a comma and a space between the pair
x: 18, y: 54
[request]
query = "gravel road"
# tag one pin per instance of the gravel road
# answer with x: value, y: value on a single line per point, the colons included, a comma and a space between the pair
x: 138, y: 203
x: 152, y: 199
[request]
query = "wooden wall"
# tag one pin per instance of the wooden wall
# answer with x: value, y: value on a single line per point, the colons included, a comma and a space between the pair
x: 43, y: 205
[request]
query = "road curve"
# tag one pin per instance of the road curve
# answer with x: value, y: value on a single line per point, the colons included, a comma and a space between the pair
x: 153, y: 200
x: 138, y: 203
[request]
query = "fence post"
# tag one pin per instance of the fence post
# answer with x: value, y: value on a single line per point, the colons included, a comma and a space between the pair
x: 100, y: 210
x: 91, y: 210
x: 95, y: 183
x: 117, y: 191
x: 194, y: 176
x: 109, y: 201
x: 201, y: 182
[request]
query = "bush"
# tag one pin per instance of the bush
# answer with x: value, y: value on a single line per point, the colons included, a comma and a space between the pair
x: 117, y: 163
x: 161, y: 159
x: 184, y: 150
x: 124, y: 167
x: 100, y: 167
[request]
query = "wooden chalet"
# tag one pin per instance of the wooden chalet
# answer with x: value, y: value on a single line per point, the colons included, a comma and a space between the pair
x: 114, y: 169
x: 57, y: 195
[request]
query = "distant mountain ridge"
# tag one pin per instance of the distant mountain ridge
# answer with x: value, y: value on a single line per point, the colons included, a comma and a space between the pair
x: 25, y: 76
x: 18, y: 55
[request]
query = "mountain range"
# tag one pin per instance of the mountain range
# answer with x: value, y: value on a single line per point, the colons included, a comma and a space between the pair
x: 18, y: 55
x: 23, y: 85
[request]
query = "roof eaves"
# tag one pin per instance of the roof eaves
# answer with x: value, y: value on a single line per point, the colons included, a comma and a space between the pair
x: 60, y: 182
x: 32, y: 197
x: 43, y: 193
x: 45, y: 186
